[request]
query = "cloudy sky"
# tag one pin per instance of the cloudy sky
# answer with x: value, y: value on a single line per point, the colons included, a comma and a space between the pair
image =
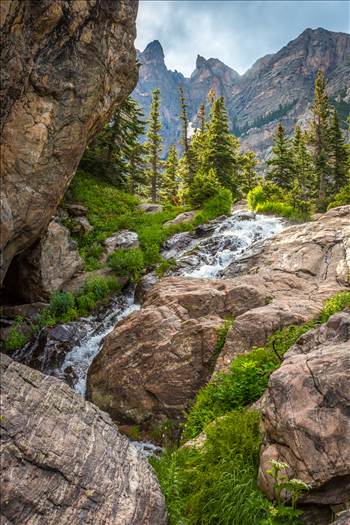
x: 236, y: 32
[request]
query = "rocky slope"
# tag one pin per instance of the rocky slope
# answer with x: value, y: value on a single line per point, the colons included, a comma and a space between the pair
x: 152, y: 364
x: 65, y: 66
x: 305, y: 416
x: 277, y: 87
x: 64, y: 461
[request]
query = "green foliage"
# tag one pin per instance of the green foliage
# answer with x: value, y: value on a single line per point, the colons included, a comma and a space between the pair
x: 341, y: 198
x: 215, y: 484
x: 243, y: 385
x: 222, y: 334
x: 154, y: 144
x: 265, y: 191
x: 61, y: 303
x: 281, y: 168
x: 216, y: 206
x: 127, y: 262
x: 282, y: 209
x: 164, y: 266
x: 335, y: 304
x: 204, y: 186
x: 170, y: 179
x: 116, y: 153
x: 16, y: 339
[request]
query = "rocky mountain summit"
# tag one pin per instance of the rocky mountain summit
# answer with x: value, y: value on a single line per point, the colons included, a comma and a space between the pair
x: 278, y: 86
x: 65, y: 67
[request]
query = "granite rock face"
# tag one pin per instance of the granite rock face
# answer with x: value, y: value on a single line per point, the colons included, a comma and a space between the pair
x: 65, y: 67
x: 64, y: 461
x: 49, y: 265
x: 277, y: 87
x: 152, y: 364
x: 305, y: 415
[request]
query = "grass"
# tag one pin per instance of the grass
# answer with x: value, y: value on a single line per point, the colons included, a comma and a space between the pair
x: 216, y: 483
x: 282, y: 209
x: 269, y: 198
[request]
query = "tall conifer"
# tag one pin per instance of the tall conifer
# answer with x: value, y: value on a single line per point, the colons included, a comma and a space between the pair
x: 154, y: 145
x: 281, y: 164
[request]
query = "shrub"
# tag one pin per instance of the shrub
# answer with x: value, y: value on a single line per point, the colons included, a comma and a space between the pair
x: 61, y: 303
x: 164, y: 266
x: 342, y: 198
x: 266, y: 191
x: 86, y: 303
x: 335, y: 304
x: 97, y: 286
x: 282, y: 209
x: 203, y: 187
x: 244, y: 384
x: 127, y: 262
x: 218, y: 205
x: 16, y: 339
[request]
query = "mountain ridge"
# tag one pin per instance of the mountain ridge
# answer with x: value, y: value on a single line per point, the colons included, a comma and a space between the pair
x: 278, y: 86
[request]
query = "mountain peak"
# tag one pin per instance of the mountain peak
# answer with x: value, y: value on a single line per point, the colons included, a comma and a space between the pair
x: 200, y: 62
x: 154, y: 52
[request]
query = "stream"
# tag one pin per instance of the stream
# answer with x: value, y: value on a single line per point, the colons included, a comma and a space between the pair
x: 67, y: 351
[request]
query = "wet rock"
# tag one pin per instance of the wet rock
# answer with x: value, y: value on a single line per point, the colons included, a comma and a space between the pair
x: 187, y: 216
x: 177, y: 244
x: 50, y: 265
x: 82, y: 226
x: 50, y: 347
x: 64, y: 461
x: 305, y: 415
x: 344, y: 519
x: 66, y: 67
x: 28, y: 311
x: 245, y: 215
x: 150, y: 208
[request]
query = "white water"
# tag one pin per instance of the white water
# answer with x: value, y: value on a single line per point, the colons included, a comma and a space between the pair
x: 81, y: 356
x: 230, y: 241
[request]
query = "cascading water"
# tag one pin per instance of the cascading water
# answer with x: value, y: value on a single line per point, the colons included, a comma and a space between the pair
x: 205, y: 253
x: 79, y: 359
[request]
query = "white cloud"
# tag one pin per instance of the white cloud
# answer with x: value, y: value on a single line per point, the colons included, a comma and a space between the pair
x: 236, y: 32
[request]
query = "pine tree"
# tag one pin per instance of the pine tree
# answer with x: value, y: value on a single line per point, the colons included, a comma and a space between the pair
x: 154, y: 145
x: 221, y: 148
x: 338, y: 154
x: 319, y: 137
x: 184, y: 134
x: 304, y: 173
x: 170, y: 182
x: 248, y: 176
x: 201, y: 118
x: 115, y: 152
x: 281, y: 164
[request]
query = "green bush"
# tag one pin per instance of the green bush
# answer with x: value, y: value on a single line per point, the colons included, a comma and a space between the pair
x: 342, y: 198
x: 217, y: 483
x: 335, y: 304
x: 86, y: 303
x: 282, y: 209
x: 266, y: 191
x: 244, y: 384
x: 203, y: 187
x: 214, y: 207
x: 16, y: 339
x: 127, y: 262
x: 97, y: 286
x: 61, y: 303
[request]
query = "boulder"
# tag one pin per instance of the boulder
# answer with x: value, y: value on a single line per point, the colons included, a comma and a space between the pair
x: 51, y: 264
x: 152, y: 364
x: 144, y: 285
x: 187, y: 216
x: 150, y: 208
x: 122, y: 239
x: 76, y: 210
x: 305, y: 415
x: 82, y: 226
x: 66, y: 67
x: 64, y: 461
x: 344, y: 519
